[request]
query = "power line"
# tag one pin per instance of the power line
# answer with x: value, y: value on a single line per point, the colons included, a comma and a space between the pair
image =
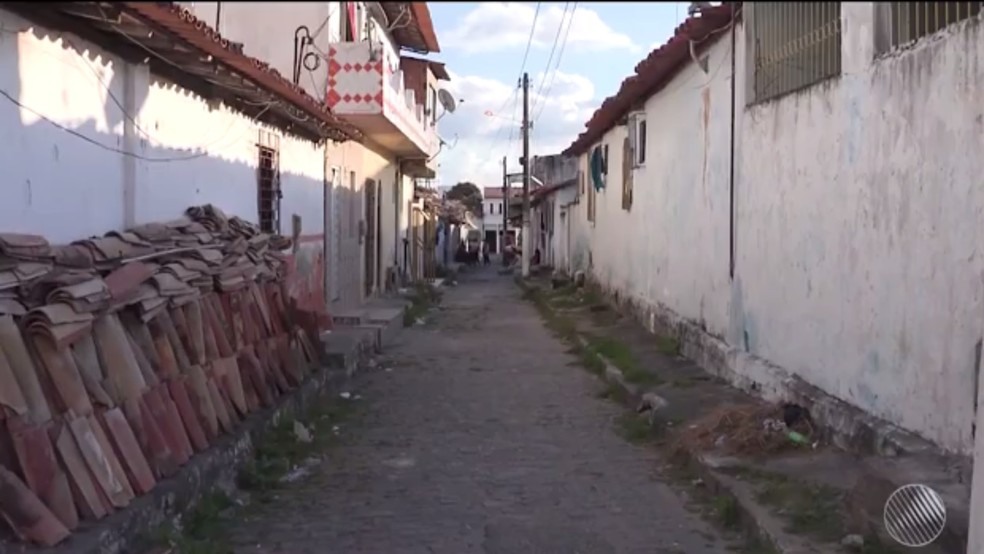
x: 560, y: 56
x: 529, y: 41
x: 546, y: 69
x: 522, y: 67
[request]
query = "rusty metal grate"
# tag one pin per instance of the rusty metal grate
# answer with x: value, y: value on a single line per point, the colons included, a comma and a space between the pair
x: 268, y: 189
x: 908, y: 21
x: 796, y: 44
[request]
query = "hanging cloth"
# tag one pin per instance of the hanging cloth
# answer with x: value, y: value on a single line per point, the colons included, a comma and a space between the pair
x: 597, y: 166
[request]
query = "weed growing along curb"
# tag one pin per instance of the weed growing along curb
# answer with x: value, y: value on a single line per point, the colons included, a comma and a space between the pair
x: 723, y: 510
x: 621, y: 357
x: 808, y: 510
x: 280, y: 450
x: 424, y: 297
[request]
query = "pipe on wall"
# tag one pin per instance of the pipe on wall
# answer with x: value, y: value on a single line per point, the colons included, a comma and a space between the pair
x: 731, y: 183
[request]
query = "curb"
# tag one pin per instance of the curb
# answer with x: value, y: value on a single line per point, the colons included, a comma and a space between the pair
x: 754, y: 520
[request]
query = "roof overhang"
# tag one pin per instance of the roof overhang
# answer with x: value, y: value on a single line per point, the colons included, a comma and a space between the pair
x: 417, y: 168
x: 411, y: 26
x: 185, y: 50
x: 439, y: 70
x: 656, y: 71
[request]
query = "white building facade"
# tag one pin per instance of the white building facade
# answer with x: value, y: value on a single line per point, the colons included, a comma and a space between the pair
x: 109, y: 125
x: 818, y: 225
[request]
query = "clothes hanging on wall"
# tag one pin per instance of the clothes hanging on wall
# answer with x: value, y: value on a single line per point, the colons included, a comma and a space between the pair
x: 597, y: 168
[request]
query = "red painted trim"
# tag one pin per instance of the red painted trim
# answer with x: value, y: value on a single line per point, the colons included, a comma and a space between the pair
x: 353, y: 22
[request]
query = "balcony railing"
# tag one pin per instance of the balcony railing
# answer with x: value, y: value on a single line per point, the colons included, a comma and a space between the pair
x: 364, y: 80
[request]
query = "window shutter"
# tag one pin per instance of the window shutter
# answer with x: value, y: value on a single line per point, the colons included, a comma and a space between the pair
x: 633, y: 134
x: 627, y: 164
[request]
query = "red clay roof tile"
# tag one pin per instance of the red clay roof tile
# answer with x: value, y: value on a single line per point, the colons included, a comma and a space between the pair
x: 655, y: 71
x: 181, y: 22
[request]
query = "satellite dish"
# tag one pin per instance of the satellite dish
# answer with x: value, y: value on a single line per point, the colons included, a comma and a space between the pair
x: 446, y: 100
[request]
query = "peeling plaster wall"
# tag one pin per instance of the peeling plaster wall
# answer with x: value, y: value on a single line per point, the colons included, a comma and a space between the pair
x: 132, y: 148
x: 671, y: 248
x: 859, y: 213
x: 860, y: 217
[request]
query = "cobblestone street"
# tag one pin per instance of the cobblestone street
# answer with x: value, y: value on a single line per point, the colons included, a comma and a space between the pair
x: 481, y: 435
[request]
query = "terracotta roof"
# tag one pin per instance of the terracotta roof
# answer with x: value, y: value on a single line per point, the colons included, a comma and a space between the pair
x: 181, y: 22
x: 655, y: 71
x: 186, y: 51
x: 437, y: 68
x: 417, y: 34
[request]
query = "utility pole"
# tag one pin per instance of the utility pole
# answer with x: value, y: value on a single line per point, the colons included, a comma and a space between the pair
x: 505, y: 210
x: 526, y: 176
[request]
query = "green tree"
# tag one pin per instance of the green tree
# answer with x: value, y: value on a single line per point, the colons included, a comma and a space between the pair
x: 468, y: 194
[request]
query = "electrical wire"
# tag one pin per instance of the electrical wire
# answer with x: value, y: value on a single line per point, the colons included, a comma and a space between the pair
x: 287, y: 109
x: 515, y: 96
x: 123, y: 111
x: 560, y: 56
x: 98, y: 144
x: 546, y: 70
x: 529, y: 41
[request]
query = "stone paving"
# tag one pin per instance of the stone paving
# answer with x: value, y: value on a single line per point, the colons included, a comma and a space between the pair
x: 483, y: 437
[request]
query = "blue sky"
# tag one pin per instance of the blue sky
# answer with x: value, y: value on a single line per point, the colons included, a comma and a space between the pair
x: 483, y: 45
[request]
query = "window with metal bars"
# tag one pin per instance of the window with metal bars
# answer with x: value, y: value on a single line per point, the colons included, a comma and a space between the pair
x: 795, y: 45
x: 902, y: 22
x: 268, y: 188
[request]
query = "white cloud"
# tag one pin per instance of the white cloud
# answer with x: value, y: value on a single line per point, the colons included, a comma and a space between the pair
x: 559, y: 113
x: 495, y: 26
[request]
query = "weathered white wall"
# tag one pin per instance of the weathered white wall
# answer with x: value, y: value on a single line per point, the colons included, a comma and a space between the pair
x: 671, y: 248
x: 563, y: 202
x: 858, y: 219
x: 266, y: 30
x: 56, y: 183
x: 135, y: 160
x: 67, y: 188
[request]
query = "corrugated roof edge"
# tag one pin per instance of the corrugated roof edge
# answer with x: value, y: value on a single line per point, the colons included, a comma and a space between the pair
x: 655, y: 71
x: 182, y: 23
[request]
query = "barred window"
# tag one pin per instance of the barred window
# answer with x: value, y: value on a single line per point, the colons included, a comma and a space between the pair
x: 268, y: 193
x: 796, y: 44
x: 903, y: 22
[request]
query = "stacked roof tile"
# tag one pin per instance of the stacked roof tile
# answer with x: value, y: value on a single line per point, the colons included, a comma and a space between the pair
x: 122, y: 356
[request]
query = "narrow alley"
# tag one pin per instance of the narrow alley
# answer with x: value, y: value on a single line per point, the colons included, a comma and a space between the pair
x: 481, y: 435
x: 491, y: 277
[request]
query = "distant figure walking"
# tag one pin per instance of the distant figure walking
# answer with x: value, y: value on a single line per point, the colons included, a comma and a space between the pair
x: 486, y: 259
